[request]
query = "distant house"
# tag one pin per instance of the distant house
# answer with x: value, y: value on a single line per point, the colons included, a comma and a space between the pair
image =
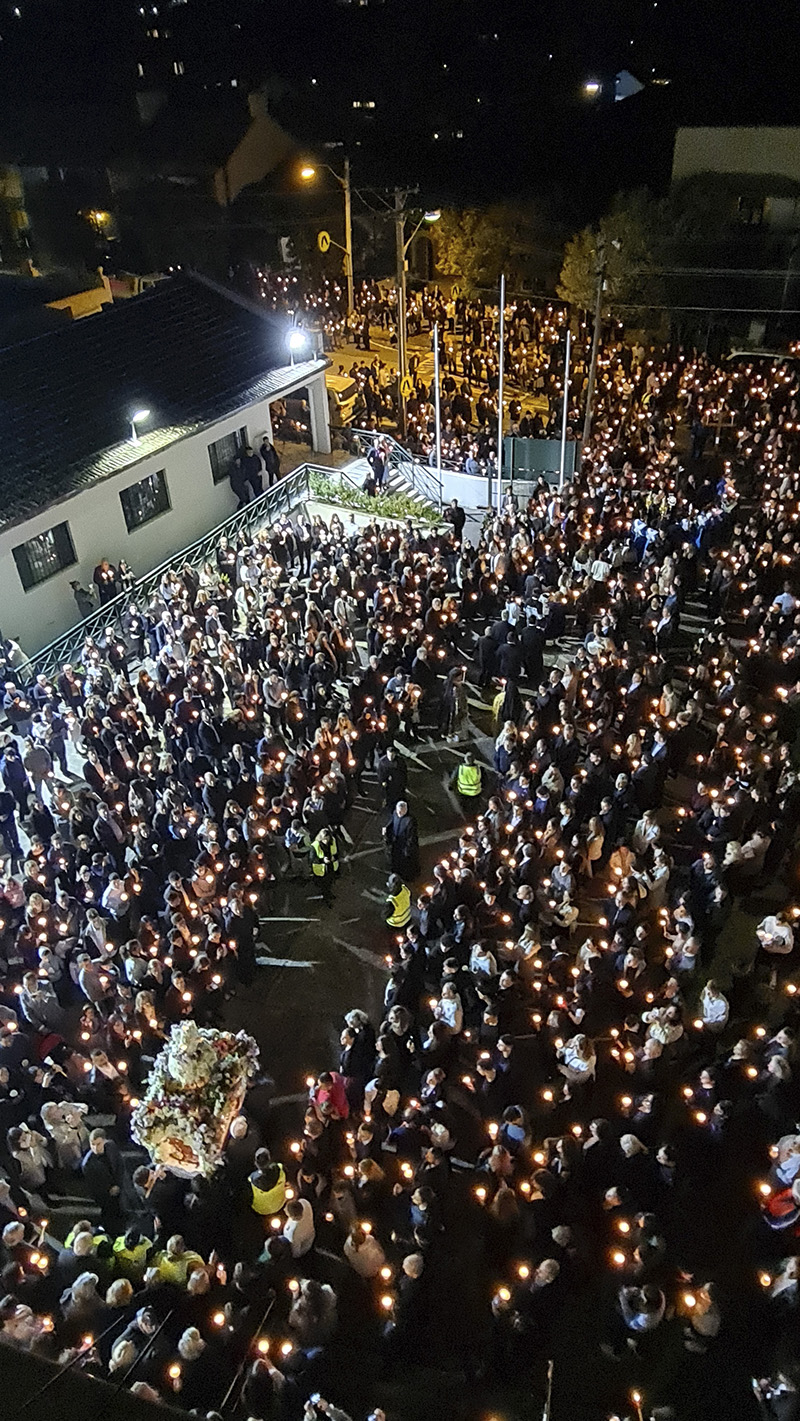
x: 141, y: 184
x: 738, y: 192
x: 75, y: 485
x: 760, y: 169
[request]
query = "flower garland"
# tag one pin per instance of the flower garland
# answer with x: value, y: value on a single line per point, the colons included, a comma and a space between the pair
x: 196, y: 1088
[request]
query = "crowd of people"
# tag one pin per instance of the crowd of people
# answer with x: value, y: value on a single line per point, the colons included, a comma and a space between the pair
x: 469, y: 358
x: 581, y: 1091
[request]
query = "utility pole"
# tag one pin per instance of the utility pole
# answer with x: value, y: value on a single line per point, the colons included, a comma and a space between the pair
x: 598, y: 312
x: 400, y: 245
x: 348, y: 238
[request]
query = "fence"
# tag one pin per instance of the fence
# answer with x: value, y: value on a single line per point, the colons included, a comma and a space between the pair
x: 421, y: 477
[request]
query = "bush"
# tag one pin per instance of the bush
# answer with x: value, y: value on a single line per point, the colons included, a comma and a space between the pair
x: 383, y: 505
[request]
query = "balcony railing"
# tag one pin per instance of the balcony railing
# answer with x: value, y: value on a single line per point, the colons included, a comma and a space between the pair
x: 281, y: 498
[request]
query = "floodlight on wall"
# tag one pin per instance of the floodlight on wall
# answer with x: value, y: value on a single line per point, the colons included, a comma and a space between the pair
x: 138, y: 417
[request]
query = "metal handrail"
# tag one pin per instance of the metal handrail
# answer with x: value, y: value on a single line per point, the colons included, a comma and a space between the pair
x: 281, y: 498
x: 421, y: 477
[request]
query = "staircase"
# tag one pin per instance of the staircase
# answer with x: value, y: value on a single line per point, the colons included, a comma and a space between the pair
x: 404, y: 474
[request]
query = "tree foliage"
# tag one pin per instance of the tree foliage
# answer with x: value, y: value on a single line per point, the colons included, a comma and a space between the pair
x: 476, y: 245
x: 627, y: 242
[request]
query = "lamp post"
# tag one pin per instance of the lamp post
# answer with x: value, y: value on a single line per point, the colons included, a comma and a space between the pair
x: 402, y: 245
x: 308, y: 172
x: 137, y: 417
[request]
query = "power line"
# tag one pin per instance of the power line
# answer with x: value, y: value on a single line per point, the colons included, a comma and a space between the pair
x: 728, y: 310
x: 776, y: 272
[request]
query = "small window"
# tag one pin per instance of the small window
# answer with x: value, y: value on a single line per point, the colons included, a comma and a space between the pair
x: 145, y: 500
x: 223, y: 452
x: 45, y: 555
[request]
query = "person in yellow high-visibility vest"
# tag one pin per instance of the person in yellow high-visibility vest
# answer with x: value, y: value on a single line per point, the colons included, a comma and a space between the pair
x: 398, y: 903
x: 325, y: 863
x: 267, y: 1185
x: 469, y: 778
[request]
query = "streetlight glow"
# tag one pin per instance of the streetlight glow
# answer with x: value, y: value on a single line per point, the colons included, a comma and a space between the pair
x: 297, y: 340
x: 136, y: 418
x: 307, y: 172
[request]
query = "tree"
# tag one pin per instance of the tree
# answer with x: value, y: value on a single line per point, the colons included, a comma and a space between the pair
x: 476, y: 245
x: 627, y: 240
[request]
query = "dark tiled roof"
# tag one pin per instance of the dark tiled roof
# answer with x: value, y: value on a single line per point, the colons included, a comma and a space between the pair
x: 186, y: 350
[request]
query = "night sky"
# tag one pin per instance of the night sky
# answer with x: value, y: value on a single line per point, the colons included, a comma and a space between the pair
x: 477, y: 99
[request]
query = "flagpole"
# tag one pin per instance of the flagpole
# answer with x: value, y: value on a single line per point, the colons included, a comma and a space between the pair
x: 564, y: 416
x: 438, y: 410
x: 549, y: 1394
x: 500, y: 394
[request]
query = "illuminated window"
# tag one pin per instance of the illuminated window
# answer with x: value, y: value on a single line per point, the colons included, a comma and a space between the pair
x: 178, y: 66
x: 223, y: 451
x: 146, y: 500
x: 45, y: 555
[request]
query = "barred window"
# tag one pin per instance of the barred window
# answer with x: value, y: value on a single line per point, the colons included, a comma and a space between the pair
x: 45, y: 555
x: 145, y: 500
x: 223, y: 452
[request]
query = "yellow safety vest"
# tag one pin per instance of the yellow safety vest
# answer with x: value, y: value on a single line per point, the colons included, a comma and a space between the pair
x: 400, y: 915
x: 319, y: 860
x: 469, y: 780
x: 269, y: 1201
x: 131, y: 1262
x: 177, y: 1270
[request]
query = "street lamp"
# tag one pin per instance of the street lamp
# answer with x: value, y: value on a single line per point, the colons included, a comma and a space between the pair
x: 296, y: 341
x: 137, y: 417
x: 308, y: 172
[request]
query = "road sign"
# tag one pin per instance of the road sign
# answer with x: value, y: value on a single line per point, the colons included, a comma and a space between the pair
x: 455, y: 292
x: 323, y: 241
x: 406, y: 387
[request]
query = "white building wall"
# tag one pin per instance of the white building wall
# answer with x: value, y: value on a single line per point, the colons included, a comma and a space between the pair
x: 98, y: 529
x: 755, y: 151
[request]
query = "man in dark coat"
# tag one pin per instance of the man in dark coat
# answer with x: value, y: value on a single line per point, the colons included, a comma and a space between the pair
x: 532, y: 645
x: 393, y: 775
x: 456, y: 515
x: 509, y: 658
x: 241, y: 924
x: 103, y: 1175
x: 402, y: 842
x: 272, y: 462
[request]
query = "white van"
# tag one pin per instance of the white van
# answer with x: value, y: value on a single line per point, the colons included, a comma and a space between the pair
x: 342, y: 399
